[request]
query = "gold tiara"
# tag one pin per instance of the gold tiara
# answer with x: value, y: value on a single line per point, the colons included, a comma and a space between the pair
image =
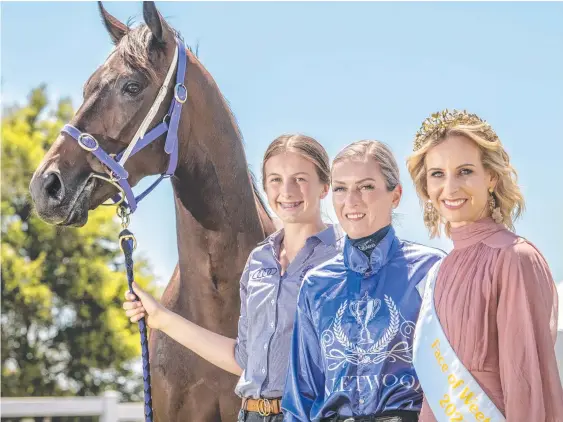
x: 435, y: 125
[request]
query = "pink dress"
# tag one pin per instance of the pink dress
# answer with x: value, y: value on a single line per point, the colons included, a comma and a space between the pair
x: 496, y: 300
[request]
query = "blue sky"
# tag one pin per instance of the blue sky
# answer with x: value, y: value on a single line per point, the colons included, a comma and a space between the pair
x: 339, y: 72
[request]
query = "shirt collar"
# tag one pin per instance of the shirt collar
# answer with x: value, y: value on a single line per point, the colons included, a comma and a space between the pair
x: 357, y: 261
x: 329, y: 236
x: 475, y: 232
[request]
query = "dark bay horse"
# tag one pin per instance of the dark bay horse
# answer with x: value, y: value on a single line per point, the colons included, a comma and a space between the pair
x: 219, y: 214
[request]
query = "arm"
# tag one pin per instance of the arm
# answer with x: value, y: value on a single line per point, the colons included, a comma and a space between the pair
x: 213, y: 347
x: 305, y: 379
x: 526, y: 320
x: 226, y: 353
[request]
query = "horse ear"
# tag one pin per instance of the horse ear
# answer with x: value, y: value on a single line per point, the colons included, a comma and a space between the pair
x: 115, y: 28
x: 154, y: 21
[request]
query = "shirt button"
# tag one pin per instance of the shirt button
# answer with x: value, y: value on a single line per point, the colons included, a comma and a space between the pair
x: 272, y: 324
x: 272, y: 301
x: 263, y: 370
x: 362, y: 401
x: 265, y: 346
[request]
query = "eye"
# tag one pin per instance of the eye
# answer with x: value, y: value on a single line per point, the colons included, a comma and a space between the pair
x: 338, y: 189
x: 275, y: 180
x: 465, y: 172
x: 367, y: 187
x: 132, y: 88
x: 437, y: 173
x: 300, y: 179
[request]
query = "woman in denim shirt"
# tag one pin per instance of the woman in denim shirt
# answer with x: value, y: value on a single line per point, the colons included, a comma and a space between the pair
x: 296, y: 178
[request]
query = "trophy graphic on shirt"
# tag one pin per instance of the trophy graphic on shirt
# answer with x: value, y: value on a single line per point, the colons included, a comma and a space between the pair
x: 364, y: 310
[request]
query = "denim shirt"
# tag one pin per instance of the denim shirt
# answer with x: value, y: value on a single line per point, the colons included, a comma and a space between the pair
x: 268, y: 304
x: 351, y: 350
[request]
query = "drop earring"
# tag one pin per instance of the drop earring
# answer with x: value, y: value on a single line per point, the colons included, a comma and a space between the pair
x: 430, y: 215
x: 493, y: 208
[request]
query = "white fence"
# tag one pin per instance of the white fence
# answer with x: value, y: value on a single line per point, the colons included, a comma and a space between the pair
x: 106, y: 407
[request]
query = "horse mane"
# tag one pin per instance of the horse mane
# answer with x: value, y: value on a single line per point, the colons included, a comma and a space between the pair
x: 134, y: 50
x: 258, y: 195
x: 255, y: 188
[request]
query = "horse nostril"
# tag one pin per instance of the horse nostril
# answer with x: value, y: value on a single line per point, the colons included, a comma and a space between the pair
x: 54, y: 187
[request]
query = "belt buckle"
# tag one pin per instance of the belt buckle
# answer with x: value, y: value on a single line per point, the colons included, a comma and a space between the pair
x: 264, y: 407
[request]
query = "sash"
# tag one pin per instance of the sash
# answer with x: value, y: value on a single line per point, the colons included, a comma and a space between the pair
x: 449, y: 388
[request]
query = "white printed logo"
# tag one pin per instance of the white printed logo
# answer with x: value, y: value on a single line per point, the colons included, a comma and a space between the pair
x: 364, y: 310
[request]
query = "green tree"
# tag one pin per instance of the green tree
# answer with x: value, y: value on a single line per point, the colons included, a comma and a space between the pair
x: 63, y: 329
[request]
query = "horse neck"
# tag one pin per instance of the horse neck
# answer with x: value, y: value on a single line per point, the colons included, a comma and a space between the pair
x: 219, y: 217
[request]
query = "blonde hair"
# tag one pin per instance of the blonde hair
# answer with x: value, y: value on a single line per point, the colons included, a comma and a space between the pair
x: 309, y: 148
x: 495, y: 159
x: 377, y: 151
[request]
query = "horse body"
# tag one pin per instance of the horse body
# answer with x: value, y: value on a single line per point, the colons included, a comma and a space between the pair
x: 215, y: 238
x: 219, y: 215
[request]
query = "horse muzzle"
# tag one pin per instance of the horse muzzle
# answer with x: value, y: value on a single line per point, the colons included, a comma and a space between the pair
x: 58, y: 203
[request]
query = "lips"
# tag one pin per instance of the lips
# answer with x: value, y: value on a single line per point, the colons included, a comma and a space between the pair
x: 78, y: 214
x: 355, y: 216
x: 76, y: 217
x: 290, y: 205
x: 454, y: 204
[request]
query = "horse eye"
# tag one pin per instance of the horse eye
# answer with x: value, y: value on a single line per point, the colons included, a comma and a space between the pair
x: 132, y: 88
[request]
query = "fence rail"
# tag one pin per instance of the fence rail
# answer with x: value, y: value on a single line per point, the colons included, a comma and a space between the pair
x: 106, y: 407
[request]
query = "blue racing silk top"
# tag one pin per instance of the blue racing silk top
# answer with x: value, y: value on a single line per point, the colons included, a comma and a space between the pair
x: 351, y: 351
x: 267, y: 309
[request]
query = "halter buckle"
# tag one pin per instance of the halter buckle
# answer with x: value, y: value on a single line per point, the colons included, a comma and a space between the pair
x: 177, y: 88
x: 91, y: 147
x: 126, y: 237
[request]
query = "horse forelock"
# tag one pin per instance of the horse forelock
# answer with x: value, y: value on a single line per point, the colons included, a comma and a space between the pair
x: 135, y: 48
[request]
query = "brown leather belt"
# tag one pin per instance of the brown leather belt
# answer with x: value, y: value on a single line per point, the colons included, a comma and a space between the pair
x: 264, y: 407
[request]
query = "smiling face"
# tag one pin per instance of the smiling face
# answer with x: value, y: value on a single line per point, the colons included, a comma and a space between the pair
x: 361, y: 199
x: 293, y: 188
x: 457, y: 182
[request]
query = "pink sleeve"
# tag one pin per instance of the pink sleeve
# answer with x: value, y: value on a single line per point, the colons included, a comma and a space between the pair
x: 527, y: 324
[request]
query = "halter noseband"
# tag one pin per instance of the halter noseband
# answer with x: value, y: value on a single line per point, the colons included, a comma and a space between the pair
x: 116, y: 162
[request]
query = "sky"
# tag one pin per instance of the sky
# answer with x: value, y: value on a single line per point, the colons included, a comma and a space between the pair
x: 339, y: 72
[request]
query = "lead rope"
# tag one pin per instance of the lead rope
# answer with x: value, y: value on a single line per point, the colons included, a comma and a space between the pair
x: 128, y: 243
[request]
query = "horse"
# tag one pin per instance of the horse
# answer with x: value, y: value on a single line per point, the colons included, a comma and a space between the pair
x: 220, y: 216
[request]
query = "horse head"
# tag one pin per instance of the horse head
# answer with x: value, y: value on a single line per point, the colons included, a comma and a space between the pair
x: 93, y: 158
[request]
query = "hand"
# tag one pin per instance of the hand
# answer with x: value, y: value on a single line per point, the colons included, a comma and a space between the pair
x: 146, y: 306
